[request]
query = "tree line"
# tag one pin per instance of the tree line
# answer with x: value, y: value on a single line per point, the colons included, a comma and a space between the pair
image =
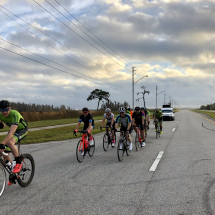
x: 208, y: 107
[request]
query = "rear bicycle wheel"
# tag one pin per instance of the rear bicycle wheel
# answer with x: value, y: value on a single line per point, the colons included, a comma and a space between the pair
x: 105, y: 142
x: 137, y: 145
x: 26, y: 174
x: 91, y: 149
x: 2, y: 179
x: 79, y: 151
x: 120, y: 150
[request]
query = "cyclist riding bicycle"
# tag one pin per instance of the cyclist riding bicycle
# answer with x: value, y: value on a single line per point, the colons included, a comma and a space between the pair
x: 88, y: 121
x: 125, y: 121
x: 158, y: 116
x: 138, y: 120
x: 147, y: 115
x: 18, y: 130
x: 110, y: 122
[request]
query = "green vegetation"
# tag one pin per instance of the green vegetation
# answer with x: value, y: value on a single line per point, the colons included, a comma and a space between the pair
x: 210, y: 114
x: 55, y: 134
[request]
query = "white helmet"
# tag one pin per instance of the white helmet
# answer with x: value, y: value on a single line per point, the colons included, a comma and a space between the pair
x: 122, y: 109
x: 107, y: 110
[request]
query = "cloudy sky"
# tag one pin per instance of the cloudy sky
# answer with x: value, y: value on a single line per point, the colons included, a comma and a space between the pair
x: 58, y: 51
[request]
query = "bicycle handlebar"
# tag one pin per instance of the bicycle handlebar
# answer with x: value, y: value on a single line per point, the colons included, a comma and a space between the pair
x: 81, y: 131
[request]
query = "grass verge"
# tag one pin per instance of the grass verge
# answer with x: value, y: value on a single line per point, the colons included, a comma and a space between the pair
x: 210, y: 114
x: 55, y: 134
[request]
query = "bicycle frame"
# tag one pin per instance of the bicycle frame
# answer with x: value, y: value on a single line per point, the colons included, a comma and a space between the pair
x: 84, y: 142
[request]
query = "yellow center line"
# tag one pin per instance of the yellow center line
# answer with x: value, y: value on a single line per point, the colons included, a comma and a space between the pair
x: 204, y: 118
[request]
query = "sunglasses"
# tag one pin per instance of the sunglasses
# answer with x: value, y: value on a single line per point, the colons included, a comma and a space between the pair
x: 4, y: 110
x: 85, y: 112
x: 121, y: 112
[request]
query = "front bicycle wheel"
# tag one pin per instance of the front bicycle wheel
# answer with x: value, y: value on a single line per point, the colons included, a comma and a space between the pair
x: 80, y: 152
x: 2, y: 179
x: 120, y: 150
x: 137, y: 145
x: 26, y: 174
x: 128, y: 152
x: 105, y: 142
x: 92, y: 149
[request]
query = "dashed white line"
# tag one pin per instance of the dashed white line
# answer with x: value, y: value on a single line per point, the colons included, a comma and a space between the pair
x: 177, y: 121
x: 173, y: 129
x: 156, y: 162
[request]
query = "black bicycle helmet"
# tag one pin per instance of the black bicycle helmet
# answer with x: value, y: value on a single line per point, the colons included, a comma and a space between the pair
x: 137, y: 108
x: 4, y: 104
x: 85, y: 109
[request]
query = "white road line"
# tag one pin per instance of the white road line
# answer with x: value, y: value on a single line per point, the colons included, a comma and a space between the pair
x: 173, y: 129
x: 156, y: 162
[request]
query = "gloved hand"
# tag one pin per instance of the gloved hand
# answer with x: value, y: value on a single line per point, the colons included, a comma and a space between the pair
x: 2, y: 146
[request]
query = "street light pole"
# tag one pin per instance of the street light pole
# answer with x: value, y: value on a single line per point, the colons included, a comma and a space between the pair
x: 133, y: 87
x: 157, y: 95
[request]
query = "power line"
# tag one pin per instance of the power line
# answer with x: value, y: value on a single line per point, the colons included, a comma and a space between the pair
x: 77, y: 33
x: 90, y: 31
x: 56, y: 68
x: 47, y: 36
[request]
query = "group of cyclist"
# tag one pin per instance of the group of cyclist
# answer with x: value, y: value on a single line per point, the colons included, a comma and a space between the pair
x: 127, y: 120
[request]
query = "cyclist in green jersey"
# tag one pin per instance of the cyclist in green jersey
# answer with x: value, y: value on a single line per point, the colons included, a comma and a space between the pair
x: 158, y: 116
x: 18, y: 130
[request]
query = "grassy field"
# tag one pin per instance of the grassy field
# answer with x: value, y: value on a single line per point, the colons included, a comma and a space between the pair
x: 54, y: 134
x: 211, y: 114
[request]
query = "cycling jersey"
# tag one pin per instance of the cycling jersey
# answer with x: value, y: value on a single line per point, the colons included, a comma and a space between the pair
x: 86, y: 120
x: 14, y: 118
x: 138, y: 117
x: 158, y: 115
x: 124, y: 121
x: 109, y: 118
x: 147, y: 113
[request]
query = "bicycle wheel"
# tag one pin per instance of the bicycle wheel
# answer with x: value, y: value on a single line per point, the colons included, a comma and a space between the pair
x: 105, y: 142
x: 137, y: 145
x: 26, y: 174
x: 128, y: 152
x: 120, y: 150
x: 79, y: 151
x: 92, y: 149
x: 2, y: 179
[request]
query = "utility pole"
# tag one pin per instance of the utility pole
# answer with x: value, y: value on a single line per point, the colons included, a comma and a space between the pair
x: 143, y: 96
x: 133, y: 70
x: 164, y: 98
x: 157, y: 95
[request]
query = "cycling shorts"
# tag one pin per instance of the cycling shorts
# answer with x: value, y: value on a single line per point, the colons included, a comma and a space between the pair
x: 141, y: 126
x: 160, y: 119
x: 86, y: 127
x: 20, y: 134
x: 109, y: 124
x: 125, y: 129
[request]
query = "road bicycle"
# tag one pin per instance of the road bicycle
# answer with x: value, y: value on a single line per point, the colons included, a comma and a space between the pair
x: 138, y: 138
x: 24, y: 177
x: 158, y: 131
x: 83, y: 146
x: 123, y: 146
x: 107, y: 139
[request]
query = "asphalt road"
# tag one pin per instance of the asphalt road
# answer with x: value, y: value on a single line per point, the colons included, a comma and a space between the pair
x: 183, y: 182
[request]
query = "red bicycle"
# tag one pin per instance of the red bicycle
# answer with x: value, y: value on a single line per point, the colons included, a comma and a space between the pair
x: 83, y: 146
x: 138, y: 138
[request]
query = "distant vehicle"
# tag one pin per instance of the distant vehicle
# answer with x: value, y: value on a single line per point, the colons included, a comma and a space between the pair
x: 168, y: 113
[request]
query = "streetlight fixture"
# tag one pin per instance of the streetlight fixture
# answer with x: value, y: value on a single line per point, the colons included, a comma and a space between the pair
x: 157, y: 95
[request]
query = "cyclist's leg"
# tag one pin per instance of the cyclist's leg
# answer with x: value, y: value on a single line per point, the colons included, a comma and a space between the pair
x: 142, y: 132
x: 161, y: 127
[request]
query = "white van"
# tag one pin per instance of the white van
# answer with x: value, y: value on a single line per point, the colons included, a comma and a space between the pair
x: 168, y: 113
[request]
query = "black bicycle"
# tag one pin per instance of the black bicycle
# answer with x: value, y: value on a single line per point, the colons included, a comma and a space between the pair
x: 123, y: 146
x: 107, y: 139
x: 24, y: 177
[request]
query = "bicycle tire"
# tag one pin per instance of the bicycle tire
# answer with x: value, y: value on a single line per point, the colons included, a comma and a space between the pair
x: 106, y: 142
x: 128, y: 152
x: 27, y: 165
x: 92, y: 149
x: 120, y: 152
x: 2, y: 179
x: 79, y: 151
x: 137, y: 145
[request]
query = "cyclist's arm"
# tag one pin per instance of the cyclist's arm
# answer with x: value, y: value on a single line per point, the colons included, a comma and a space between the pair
x: 112, y: 121
x: 78, y: 125
x: 90, y: 126
x: 3, y: 124
x: 103, y: 122
x: 10, y: 134
x: 133, y: 121
x: 129, y: 126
